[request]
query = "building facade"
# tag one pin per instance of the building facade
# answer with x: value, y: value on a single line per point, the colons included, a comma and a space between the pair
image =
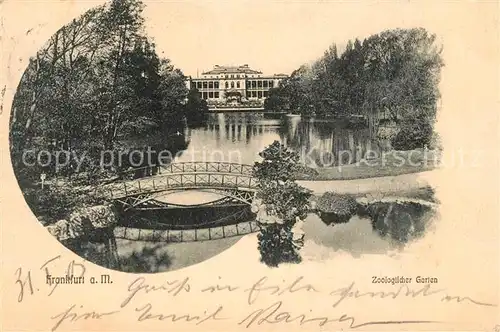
x: 229, y: 86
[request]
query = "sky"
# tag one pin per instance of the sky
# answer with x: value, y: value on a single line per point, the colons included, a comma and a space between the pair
x: 270, y: 36
x: 273, y: 36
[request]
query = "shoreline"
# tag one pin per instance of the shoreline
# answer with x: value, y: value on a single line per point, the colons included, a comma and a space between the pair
x: 405, y: 186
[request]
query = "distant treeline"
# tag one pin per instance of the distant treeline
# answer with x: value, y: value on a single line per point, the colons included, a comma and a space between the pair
x: 392, y: 75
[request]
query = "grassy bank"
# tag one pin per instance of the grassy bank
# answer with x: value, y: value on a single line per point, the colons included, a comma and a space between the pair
x: 389, y: 163
x: 424, y: 193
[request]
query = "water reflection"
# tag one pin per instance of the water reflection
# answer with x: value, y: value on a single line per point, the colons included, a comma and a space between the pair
x: 401, y: 222
x: 356, y: 237
x: 397, y: 221
x: 239, y: 137
x: 375, y: 229
x: 186, y: 218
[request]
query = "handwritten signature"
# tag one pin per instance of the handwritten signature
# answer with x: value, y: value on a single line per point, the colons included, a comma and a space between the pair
x: 273, y: 315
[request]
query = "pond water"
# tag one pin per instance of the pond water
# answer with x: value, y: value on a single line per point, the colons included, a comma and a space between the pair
x: 187, y: 218
x: 375, y: 229
x: 239, y: 137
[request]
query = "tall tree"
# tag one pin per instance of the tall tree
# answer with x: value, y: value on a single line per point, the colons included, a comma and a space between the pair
x: 95, y: 79
x: 392, y: 75
x: 196, y: 107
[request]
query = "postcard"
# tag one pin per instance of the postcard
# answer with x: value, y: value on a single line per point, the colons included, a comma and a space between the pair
x: 249, y: 165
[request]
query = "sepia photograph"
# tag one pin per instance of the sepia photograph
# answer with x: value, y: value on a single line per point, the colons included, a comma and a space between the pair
x: 141, y: 165
x: 307, y: 156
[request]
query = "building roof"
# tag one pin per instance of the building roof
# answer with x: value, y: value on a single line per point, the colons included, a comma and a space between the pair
x: 245, y: 69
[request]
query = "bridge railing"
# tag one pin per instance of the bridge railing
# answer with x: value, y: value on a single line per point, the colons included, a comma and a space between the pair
x: 193, y: 167
x: 178, y: 181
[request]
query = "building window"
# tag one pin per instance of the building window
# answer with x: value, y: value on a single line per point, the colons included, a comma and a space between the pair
x: 249, y: 94
x: 259, y: 84
x: 249, y: 84
x: 271, y: 84
x: 266, y: 93
x: 254, y: 84
x: 198, y: 85
x: 205, y: 85
x: 210, y: 94
x: 232, y: 76
x: 204, y: 95
x: 265, y: 84
x: 210, y: 85
x: 254, y: 94
x: 259, y: 94
x: 238, y: 84
x: 227, y: 85
x: 232, y: 85
x: 216, y: 85
x: 216, y: 94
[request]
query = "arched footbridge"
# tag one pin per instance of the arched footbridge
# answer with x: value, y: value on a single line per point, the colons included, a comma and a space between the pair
x: 232, y: 182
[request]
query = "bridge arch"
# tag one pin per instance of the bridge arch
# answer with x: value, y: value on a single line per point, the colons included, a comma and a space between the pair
x: 231, y: 180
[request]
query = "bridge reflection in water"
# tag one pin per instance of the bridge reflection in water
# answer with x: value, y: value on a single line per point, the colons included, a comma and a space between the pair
x: 145, y: 217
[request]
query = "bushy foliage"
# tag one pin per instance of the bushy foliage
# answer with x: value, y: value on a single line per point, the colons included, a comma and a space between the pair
x: 334, y: 207
x: 50, y: 204
x: 281, y: 206
x: 54, y: 203
x: 413, y: 135
x: 278, y: 164
x: 196, y: 108
x: 97, y: 80
x: 277, y: 245
x: 392, y: 75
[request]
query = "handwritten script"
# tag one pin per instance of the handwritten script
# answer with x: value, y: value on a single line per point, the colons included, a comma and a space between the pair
x: 260, y: 303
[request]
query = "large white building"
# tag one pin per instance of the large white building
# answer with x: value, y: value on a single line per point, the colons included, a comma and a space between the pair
x: 234, y: 85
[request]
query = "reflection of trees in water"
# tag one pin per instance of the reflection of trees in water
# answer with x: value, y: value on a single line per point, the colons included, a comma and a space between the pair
x: 326, y: 143
x: 321, y: 142
x: 292, y: 133
x: 401, y: 222
x: 98, y: 247
x: 151, y: 258
x: 239, y: 127
x: 146, y: 260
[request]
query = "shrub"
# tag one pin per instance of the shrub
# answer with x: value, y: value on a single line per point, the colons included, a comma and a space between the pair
x: 281, y: 206
x: 413, y: 135
x: 278, y: 164
x: 334, y: 207
x: 50, y: 204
